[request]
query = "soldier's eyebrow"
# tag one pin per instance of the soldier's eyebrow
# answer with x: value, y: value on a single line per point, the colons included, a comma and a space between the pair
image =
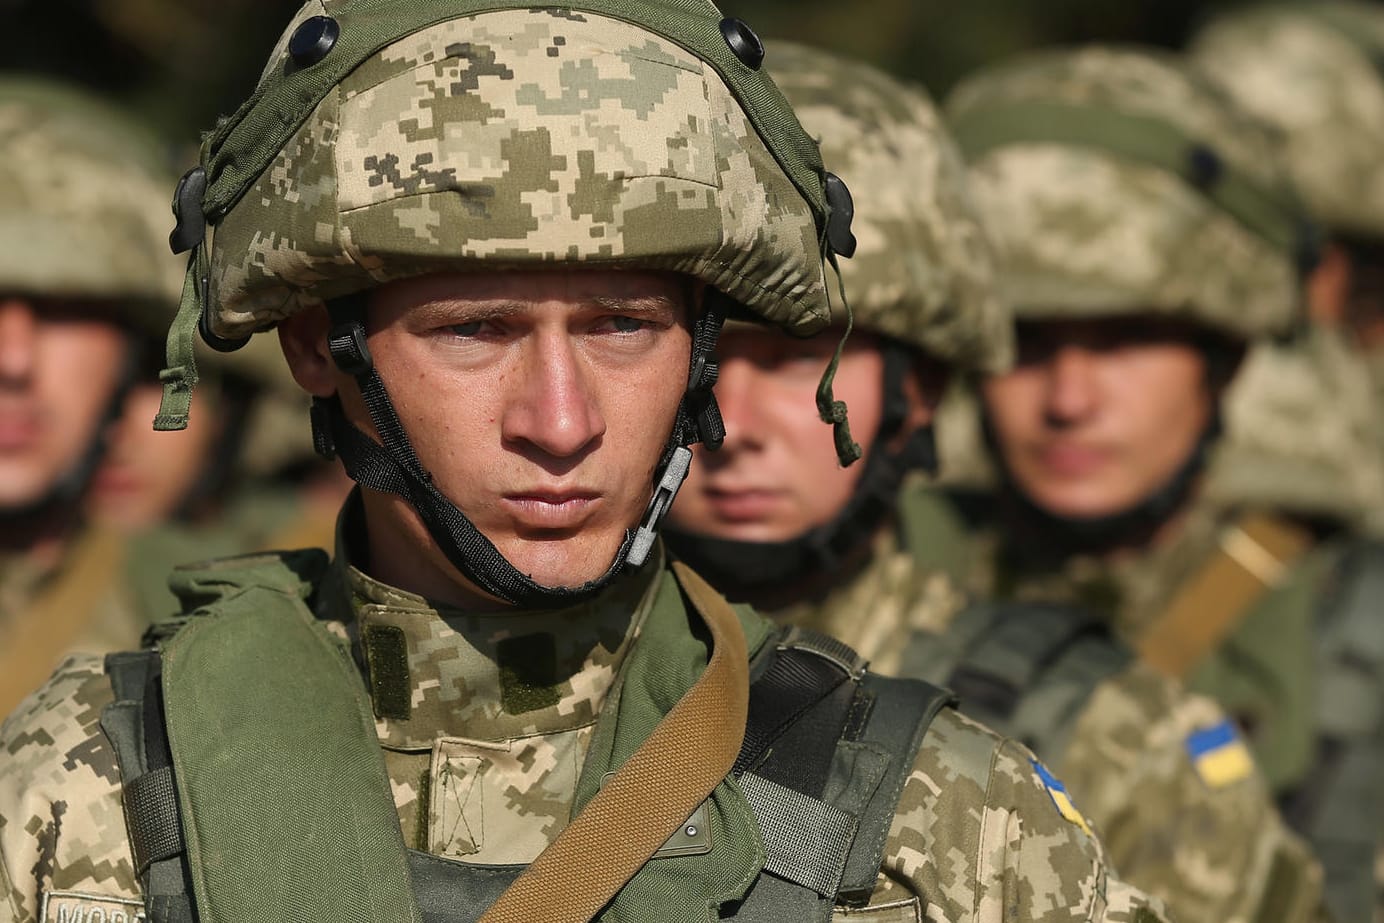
x: 639, y: 304
x: 461, y: 312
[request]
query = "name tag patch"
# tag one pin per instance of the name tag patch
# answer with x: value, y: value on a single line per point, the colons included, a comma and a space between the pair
x: 76, y: 907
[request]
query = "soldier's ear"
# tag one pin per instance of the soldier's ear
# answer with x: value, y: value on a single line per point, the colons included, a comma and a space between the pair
x: 303, y: 338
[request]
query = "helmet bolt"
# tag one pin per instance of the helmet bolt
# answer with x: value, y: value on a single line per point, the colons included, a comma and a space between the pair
x: 742, y: 40
x: 313, y: 40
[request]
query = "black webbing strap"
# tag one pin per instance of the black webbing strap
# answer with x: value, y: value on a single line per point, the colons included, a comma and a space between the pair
x: 797, y: 680
x: 134, y: 725
x: 151, y: 816
x: 1022, y: 642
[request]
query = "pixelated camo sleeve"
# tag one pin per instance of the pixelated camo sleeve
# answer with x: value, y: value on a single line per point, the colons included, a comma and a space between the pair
x: 986, y: 834
x: 63, y: 848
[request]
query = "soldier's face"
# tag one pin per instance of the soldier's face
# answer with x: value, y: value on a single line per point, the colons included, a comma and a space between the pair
x: 1099, y: 414
x: 145, y: 474
x: 777, y: 475
x: 60, y: 364
x: 541, y: 403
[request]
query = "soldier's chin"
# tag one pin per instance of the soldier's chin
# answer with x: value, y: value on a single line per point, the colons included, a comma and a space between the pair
x: 568, y: 562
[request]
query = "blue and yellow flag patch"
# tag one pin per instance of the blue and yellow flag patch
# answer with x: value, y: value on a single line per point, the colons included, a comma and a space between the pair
x: 1060, y: 799
x: 1219, y: 755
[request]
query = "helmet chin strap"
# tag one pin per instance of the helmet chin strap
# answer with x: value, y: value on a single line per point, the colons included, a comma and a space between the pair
x: 392, y: 466
x: 756, y: 569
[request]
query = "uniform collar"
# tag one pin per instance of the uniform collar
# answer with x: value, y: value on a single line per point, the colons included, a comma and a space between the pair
x: 436, y: 671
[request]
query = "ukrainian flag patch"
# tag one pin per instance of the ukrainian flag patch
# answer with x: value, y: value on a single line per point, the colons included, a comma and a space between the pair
x: 1060, y: 799
x: 1219, y: 755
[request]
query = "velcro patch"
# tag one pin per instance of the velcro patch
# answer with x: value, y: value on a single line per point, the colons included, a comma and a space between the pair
x: 76, y: 907
x: 1219, y: 755
x: 1058, y: 793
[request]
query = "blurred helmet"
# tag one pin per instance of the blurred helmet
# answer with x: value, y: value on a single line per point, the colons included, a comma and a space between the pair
x: 1116, y: 180
x: 1315, y: 72
x: 83, y: 203
x: 923, y: 269
x: 1300, y: 432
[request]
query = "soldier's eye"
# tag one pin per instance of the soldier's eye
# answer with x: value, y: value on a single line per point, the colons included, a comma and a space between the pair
x: 624, y: 324
x: 466, y: 330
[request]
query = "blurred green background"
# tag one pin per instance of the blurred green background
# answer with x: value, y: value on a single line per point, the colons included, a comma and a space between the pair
x: 181, y: 63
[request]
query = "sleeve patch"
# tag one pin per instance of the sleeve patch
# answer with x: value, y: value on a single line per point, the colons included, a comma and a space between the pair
x: 76, y: 907
x: 1060, y: 799
x: 1219, y: 755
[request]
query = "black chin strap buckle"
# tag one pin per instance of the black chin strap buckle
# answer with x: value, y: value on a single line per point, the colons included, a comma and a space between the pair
x: 323, y: 442
x: 673, y: 476
x: 701, y: 401
x: 346, y: 341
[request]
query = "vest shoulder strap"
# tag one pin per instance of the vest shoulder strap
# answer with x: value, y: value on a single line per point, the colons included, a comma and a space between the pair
x: 827, y: 751
x: 1252, y: 557
x: 1025, y: 669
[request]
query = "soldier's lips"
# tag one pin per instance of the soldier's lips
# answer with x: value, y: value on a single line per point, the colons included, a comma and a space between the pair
x: 744, y: 505
x: 547, y: 509
x: 1070, y: 460
x: 18, y: 430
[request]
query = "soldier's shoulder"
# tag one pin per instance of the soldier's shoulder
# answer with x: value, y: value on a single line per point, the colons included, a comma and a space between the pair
x: 982, y: 823
x: 62, y: 832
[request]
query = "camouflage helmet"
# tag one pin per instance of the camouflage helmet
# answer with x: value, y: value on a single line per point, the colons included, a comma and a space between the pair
x: 923, y: 270
x: 1115, y: 180
x: 1281, y: 451
x: 393, y: 140
x: 83, y: 203
x: 1315, y: 71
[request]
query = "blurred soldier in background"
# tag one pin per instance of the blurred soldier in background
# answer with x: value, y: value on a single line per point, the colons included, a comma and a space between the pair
x: 85, y: 276
x: 1315, y: 72
x: 1150, y: 236
x: 775, y: 520
x: 497, y: 242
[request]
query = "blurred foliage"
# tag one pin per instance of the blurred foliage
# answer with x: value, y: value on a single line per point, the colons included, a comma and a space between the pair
x: 181, y: 63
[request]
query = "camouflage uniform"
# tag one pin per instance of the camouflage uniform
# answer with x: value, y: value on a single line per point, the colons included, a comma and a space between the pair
x: 534, y: 136
x: 1184, y: 249
x: 923, y: 274
x: 82, y: 216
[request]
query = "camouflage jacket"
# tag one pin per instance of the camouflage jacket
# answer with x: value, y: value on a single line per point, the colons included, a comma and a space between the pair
x: 1214, y: 848
x: 485, y: 765
x: 79, y: 603
x: 1283, y: 672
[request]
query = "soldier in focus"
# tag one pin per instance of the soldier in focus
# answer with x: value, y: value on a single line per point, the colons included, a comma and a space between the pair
x: 85, y: 274
x: 772, y: 519
x: 498, y: 244
x: 1151, y: 238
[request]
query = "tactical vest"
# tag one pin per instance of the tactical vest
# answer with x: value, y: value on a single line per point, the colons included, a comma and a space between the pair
x: 827, y: 749
x: 1339, y: 805
x: 1025, y: 669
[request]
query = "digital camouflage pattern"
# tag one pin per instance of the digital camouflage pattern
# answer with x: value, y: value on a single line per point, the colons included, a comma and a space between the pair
x: 1213, y: 854
x: 1083, y: 232
x: 975, y: 837
x: 519, y: 139
x: 923, y: 271
x: 83, y: 203
x: 1281, y: 450
x: 1316, y: 73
